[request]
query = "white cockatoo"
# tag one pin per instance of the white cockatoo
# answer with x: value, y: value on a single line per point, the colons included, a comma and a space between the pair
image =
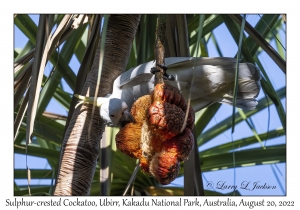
x: 204, y: 81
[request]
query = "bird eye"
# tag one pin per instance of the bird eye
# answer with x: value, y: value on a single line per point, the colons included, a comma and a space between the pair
x: 111, y: 115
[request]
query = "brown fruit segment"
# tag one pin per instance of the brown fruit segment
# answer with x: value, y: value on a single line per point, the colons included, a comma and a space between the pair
x: 155, y: 136
x: 140, y: 108
x: 144, y: 164
x: 181, y: 145
x: 129, y: 139
x: 191, y: 119
x: 165, y: 167
x: 168, y: 93
x: 167, y: 117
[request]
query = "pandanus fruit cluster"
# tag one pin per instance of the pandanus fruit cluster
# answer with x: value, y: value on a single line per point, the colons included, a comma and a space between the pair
x: 161, y: 135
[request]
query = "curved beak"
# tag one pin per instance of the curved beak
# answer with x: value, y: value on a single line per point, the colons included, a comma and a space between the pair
x: 126, y: 118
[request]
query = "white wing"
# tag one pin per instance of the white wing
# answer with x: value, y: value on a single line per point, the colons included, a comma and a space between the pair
x: 213, y: 81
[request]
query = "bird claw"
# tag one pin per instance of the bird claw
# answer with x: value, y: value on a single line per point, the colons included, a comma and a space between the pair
x: 82, y: 100
x: 165, y: 75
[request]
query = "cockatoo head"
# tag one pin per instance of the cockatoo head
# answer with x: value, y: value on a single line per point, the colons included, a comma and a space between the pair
x: 115, y: 113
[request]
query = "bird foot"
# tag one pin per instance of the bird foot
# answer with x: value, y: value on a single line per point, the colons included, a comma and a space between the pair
x: 165, y: 75
x: 87, y: 100
x: 81, y: 100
